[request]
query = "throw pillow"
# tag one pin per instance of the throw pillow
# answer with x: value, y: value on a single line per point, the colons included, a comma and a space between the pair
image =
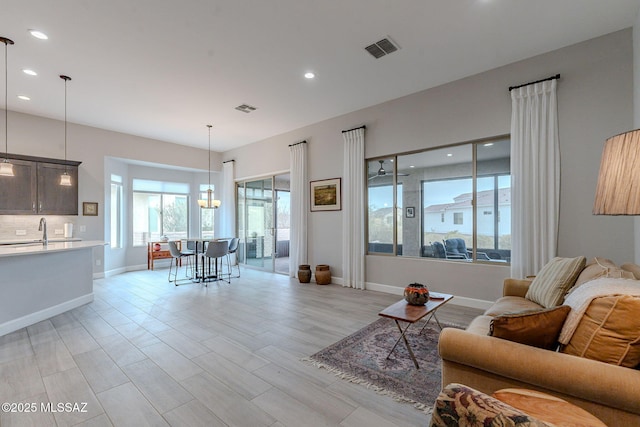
x: 609, y: 331
x: 554, y: 280
x: 632, y: 268
x: 601, y: 267
x: 539, y: 328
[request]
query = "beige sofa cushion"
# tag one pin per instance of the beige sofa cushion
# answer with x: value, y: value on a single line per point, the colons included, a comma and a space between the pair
x: 510, y: 304
x: 609, y: 331
x: 480, y: 325
x: 554, y: 280
x: 538, y: 328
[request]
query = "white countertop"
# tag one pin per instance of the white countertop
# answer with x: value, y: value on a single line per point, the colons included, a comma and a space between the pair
x: 39, y: 248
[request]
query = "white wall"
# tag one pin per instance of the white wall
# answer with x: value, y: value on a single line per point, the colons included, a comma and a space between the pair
x: 595, y: 101
x: 39, y: 136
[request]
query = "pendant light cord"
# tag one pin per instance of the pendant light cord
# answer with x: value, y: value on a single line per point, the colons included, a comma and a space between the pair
x: 65, y: 120
x: 6, y: 114
x: 209, y: 126
x: 66, y: 79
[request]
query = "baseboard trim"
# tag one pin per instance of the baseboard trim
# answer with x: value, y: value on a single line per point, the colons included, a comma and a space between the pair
x: 39, y: 316
x: 463, y: 301
x: 120, y: 270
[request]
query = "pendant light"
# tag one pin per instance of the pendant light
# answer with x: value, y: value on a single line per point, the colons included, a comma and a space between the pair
x: 209, y: 203
x: 65, y: 178
x: 6, y: 168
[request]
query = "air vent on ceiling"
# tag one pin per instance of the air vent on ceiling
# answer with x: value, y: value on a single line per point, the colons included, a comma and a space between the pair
x: 245, y: 108
x: 381, y: 48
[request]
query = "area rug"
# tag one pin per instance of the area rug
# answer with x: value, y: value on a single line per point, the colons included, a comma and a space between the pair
x: 362, y: 358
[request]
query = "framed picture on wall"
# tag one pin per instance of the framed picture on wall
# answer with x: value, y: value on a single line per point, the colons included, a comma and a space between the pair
x: 326, y: 195
x: 90, y: 208
x: 410, y: 212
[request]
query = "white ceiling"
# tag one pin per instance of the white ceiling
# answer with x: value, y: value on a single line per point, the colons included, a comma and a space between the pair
x: 164, y: 69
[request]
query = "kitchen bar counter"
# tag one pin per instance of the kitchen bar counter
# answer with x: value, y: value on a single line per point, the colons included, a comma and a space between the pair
x: 32, y: 247
x: 38, y: 282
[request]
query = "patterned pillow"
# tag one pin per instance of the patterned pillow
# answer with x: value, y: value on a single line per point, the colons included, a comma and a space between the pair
x: 459, y: 405
x: 554, y: 280
x: 537, y: 328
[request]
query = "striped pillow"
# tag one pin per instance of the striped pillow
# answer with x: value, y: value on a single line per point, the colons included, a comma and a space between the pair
x: 554, y: 280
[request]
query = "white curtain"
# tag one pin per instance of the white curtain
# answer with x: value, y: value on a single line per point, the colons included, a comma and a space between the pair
x: 535, y: 177
x: 299, y: 207
x: 353, y: 189
x: 228, y: 201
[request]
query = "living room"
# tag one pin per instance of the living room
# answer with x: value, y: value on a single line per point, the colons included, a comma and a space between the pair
x: 595, y: 98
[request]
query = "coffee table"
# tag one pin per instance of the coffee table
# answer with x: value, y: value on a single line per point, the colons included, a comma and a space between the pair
x: 410, y: 314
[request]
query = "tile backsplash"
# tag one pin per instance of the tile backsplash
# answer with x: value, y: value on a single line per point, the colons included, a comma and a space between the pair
x: 9, y: 224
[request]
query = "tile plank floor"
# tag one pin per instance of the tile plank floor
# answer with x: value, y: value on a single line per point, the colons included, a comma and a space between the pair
x: 147, y: 353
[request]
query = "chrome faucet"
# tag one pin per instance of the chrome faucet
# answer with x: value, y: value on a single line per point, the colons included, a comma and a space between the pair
x: 43, y: 227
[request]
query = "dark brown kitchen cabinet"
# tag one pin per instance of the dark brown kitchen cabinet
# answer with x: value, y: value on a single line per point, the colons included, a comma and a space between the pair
x: 18, y: 193
x: 53, y: 198
x: 35, y: 187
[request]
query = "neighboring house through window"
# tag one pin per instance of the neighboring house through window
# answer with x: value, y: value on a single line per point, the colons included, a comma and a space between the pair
x: 441, y: 182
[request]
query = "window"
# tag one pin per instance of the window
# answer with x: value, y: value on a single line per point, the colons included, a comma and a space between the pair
x: 116, y: 212
x: 381, y: 212
x: 458, y: 218
x: 157, y: 214
x: 460, y: 191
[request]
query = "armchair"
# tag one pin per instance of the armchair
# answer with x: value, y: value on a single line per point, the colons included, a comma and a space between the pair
x: 456, y: 248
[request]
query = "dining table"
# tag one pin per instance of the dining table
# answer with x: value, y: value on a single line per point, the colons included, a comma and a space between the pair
x: 202, y: 269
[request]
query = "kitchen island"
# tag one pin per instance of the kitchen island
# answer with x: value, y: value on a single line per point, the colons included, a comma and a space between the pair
x: 41, y: 281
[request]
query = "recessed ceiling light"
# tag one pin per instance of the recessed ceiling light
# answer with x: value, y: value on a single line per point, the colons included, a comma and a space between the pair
x: 24, y: 97
x: 449, y: 155
x: 412, y: 166
x: 29, y: 72
x: 488, y: 144
x: 38, y: 34
x: 309, y: 75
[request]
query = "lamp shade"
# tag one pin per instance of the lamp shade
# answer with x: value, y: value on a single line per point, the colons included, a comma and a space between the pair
x: 209, y: 202
x: 6, y: 168
x: 618, y: 189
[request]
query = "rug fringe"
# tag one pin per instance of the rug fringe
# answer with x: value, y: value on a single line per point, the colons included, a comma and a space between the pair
x: 380, y: 390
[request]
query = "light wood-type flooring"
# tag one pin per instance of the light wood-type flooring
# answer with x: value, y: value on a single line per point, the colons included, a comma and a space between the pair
x: 147, y: 353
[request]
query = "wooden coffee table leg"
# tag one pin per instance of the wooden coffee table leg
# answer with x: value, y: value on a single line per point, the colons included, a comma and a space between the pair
x: 406, y: 343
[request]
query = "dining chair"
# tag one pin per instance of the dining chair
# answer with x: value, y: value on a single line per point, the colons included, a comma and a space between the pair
x: 177, y: 256
x: 233, y: 249
x: 217, y: 250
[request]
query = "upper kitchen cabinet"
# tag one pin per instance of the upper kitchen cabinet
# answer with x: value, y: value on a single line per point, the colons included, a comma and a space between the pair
x: 35, y: 187
x: 18, y: 193
x: 53, y: 198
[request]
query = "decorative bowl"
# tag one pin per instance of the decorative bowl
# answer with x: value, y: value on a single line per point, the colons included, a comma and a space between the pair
x: 416, y: 294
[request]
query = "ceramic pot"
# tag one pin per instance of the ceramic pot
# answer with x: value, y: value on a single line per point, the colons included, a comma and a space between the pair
x: 416, y: 294
x: 323, y: 274
x: 304, y: 273
x: 157, y: 247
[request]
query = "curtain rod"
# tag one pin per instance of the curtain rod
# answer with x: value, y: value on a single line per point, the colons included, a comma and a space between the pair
x: 557, y: 76
x: 298, y: 143
x: 359, y: 127
x: 227, y: 161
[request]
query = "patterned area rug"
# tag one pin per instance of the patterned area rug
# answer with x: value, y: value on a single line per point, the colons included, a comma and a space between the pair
x: 362, y: 358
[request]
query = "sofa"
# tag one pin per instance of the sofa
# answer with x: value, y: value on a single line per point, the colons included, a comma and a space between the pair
x: 482, y: 359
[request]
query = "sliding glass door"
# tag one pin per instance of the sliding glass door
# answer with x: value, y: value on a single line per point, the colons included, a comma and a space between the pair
x: 263, y: 223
